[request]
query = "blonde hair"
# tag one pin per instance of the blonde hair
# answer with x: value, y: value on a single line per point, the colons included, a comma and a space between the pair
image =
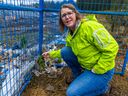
x: 72, y: 7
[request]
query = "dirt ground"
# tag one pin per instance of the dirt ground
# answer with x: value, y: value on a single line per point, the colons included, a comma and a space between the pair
x: 48, y: 86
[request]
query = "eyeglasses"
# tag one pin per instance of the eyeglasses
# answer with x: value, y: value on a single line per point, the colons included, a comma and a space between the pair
x: 69, y: 14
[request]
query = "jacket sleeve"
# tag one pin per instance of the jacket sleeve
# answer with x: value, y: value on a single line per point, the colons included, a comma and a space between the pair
x: 55, y: 53
x: 108, y: 48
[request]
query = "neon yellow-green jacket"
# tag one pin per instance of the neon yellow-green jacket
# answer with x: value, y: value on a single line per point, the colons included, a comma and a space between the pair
x: 94, y: 47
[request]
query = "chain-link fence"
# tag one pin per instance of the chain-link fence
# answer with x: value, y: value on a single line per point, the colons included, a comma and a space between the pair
x: 27, y: 25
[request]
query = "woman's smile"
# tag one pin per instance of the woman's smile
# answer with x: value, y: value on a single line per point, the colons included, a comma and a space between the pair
x: 68, y: 17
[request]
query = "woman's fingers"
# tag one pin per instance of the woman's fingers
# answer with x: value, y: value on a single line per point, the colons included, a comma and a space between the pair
x: 45, y: 55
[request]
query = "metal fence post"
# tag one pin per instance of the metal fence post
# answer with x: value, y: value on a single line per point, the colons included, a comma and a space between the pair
x: 40, y: 26
x: 125, y: 63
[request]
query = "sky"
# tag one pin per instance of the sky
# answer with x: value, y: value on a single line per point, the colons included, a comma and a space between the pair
x: 20, y: 1
x: 27, y: 2
x: 53, y: 0
x: 57, y: 0
x: 17, y: 1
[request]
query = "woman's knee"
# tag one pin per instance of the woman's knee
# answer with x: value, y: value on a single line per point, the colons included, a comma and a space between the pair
x: 66, y: 52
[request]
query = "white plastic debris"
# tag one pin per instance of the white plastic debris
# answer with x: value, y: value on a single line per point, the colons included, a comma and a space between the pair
x: 36, y: 72
x: 50, y: 88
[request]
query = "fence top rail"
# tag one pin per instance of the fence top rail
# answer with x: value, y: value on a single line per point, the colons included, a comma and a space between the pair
x: 91, y: 12
x: 21, y: 8
x: 17, y: 8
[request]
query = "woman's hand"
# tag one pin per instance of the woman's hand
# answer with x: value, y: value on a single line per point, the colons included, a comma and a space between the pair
x: 46, y: 55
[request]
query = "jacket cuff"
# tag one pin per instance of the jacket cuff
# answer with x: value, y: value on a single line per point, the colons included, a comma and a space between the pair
x: 99, y: 70
x: 55, y: 54
x: 93, y: 71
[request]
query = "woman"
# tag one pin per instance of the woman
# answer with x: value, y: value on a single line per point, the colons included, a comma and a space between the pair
x: 90, y: 52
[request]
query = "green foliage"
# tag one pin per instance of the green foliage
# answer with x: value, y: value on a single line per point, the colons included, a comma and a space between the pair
x: 40, y: 61
x: 103, y: 5
x: 36, y: 5
x: 59, y: 60
x: 23, y: 42
x: 94, y: 5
